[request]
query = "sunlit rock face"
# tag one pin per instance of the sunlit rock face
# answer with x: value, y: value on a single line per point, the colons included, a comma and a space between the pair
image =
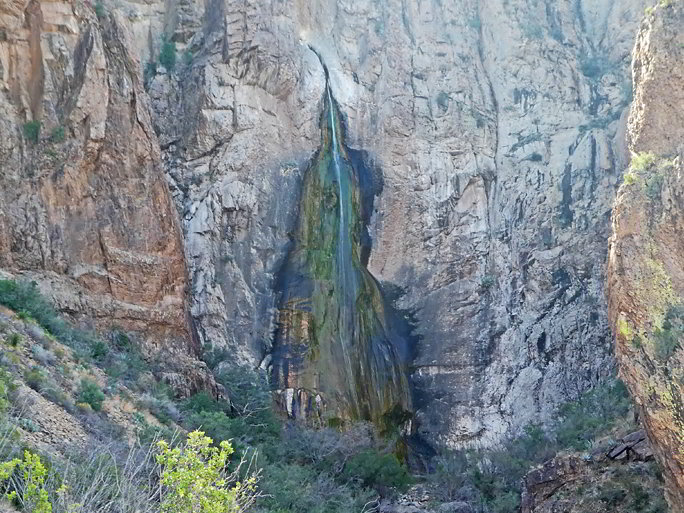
x: 85, y: 210
x: 339, y: 351
x: 498, y: 127
x: 645, y: 272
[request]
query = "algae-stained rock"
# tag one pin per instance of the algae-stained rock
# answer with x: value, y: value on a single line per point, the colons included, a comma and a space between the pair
x: 339, y: 348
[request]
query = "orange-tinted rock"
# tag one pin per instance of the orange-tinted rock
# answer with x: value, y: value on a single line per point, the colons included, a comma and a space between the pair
x: 85, y: 209
x: 645, y: 281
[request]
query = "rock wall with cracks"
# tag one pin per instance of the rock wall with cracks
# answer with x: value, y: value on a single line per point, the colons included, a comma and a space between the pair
x: 645, y: 275
x: 85, y: 210
x: 498, y: 127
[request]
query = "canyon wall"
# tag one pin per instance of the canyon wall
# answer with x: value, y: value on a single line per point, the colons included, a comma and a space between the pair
x: 645, y: 283
x: 85, y: 210
x: 495, y: 129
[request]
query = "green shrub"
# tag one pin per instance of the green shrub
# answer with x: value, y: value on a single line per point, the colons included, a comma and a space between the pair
x: 28, y: 425
x: 594, y: 413
x: 53, y: 393
x: 194, y: 478
x: 32, y: 131
x: 31, y: 492
x: 24, y: 297
x: 642, y: 161
x: 248, y: 390
x: 58, y: 134
x: 487, y: 282
x: 99, y: 350
x: 7, y: 387
x: 612, y: 495
x: 14, y: 339
x: 654, y: 186
x: 42, y: 355
x: 167, y: 56
x: 506, y: 502
x: 122, y: 342
x: 293, y: 488
x: 497, y: 474
x: 122, y: 359
x: 203, y: 402
x: 376, y: 469
x: 90, y: 393
x: 451, y: 474
x: 34, y: 378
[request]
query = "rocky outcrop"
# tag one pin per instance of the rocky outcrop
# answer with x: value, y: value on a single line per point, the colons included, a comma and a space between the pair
x: 617, y: 476
x: 496, y: 127
x: 84, y: 207
x: 646, y: 267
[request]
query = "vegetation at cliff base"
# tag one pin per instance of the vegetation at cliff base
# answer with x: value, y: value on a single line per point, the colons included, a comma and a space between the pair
x: 90, y: 394
x: 189, y: 477
x: 247, y: 455
x: 491, y: 479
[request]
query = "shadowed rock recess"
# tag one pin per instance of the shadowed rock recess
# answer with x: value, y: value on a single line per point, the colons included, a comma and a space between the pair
x: 338, y: 346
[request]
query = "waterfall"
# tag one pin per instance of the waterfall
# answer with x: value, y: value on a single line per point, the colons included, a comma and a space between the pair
x: 344, y: 249
x: 339, y: 350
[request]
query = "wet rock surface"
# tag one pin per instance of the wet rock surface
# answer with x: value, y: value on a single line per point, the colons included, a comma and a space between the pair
x: 340, y: 352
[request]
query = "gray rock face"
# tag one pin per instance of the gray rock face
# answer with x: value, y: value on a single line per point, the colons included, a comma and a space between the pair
x: 497, y: 127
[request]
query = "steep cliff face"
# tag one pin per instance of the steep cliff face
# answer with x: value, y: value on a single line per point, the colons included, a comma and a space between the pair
x: 84, y: 206
x: 497, y: 129
x: 645, y: 268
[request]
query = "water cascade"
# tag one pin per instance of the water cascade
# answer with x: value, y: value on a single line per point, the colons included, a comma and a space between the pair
x: 340, y: 351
